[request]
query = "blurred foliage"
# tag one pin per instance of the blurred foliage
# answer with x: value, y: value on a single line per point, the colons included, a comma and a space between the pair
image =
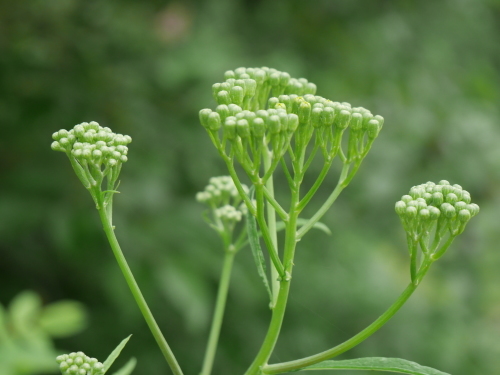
x: 27, y: 329
x: 431, y: 68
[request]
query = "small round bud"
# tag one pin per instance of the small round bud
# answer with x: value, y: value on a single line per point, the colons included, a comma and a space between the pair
x: 464, y: 216
x: 79, y: 360
x: 372, y: 129
x: 63, y: 366
x: 223, y: 97
x: 434, y: 213
x: 327, y: 116
x: 448, y: 210
x: 437, y: 199
x: 356, y: 121
x: 443, y: 182
x: 406, y: 198
x: 237, y: 94
x: 400, y: 208
x: 451, y: 198
x: 342, y: 119
x: 310, y: 88
x: 258, y: 127
x: 316, y: 117
x: 460, y: 205
x: 284, y: 79
x: 424, y: 214
x: 230, y: 129
x: 473, y: 209
x: 304, y: 112
x: 293, y: 122
x: 82, y: 372
x: 273, y: 124
x: 204, y: 113
x: 214, y: 122
x: 411, y: 211
x: 242, y: 128
x: 223, y: 111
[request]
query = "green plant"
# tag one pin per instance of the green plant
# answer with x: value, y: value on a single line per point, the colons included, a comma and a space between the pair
x: 265, y: 121
x: 27, y: 328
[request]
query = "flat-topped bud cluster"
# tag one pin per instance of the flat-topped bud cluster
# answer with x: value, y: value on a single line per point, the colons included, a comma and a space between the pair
x: 427, y: 204
x: 79, y: 364
x: 262, y: 105
x: 90, y: 142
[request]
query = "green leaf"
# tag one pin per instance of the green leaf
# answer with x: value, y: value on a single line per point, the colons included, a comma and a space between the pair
x: 260, y: 261
x: 398, y: 365
x: 114, y: 354
x: 24, y: 311
x: 63, y: 318
x: 128, y: 368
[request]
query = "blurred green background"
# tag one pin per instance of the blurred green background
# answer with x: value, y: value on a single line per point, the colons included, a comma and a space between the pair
x: 145, y: 68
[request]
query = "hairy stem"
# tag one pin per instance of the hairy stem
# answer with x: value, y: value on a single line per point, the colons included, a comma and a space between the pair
x: 136, y: 292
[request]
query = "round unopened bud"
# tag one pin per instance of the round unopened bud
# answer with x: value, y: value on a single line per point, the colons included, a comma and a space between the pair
x: 400, y: 208
x: 258, y: 127
x: 204, y: 113
x: 437, y: 199
x: 284, y: 79
x: 230, y: 129
x: 274, y: 79
x: 98, y: 366
x: 237, y: 95
x: 242, y: 128
x: 293, y: 122
x: 273, y: 124
x: 316, y: 117
x: 63, y: 366
x: 473, y: 209
x: 223, y: 97
x: 250, y: 87
x: 342, y: 119
x: 213, y: 121
x: 466, y: 197
x: 451, y: 198
x: 464, y: 216
x: 73, y: 370
x: 327, y: 116
x: 411, y: 212
x: 234, y: 109
x: 448, y: 210
x: 406, y: 198
x: 380, y: 120
x: 434, y: 212
x: 304, y: 112
x: 460, y: 205
x: 356, y: 121
x: 79, y: 360
x: 310, y: 88
x: 223, y: 111
x: 424, y: 214
x: 272, y: 102
x: 372, y: 128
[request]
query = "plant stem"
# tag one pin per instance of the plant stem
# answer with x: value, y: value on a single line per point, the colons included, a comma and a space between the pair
x: 218, y: 312
x: 280, y: 307
x: 271, y: 221
x: 136, y: 292
x: 353, y: 341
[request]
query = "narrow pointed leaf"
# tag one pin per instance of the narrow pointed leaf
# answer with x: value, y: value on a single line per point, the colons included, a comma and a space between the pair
x: 127, y: 368
x: 114, y: 354
x: 398, y: 365
x: 260, y: 261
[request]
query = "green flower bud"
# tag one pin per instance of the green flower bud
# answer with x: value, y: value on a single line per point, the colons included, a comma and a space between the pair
x: 274, y: 79
x: 316, y: 117
x: 356, y: 121
x: 272, y: 102
x: 283, y: 120
x: 223, y: 111
x: 204, y: 113
x: 237, y: 95
x: 437, y: 199
x: 273, y: 124
x: 464, y: 216
x: 242, y: 128
x: 400, y: 208
x: 434, y: 212
x: 342, y: 119
x: 213, y: 121
x: 424, y: 214
x: 251, y: 87
x: 473, y: 209
x: 284, y: 79
x: 327, y: 116
x: 451, y: 198
x: 230, y: 129
x: 406, y: 198
x: 293, y: 122
x: 304, y: 112
x: 448, y: 210
x: 372, y: 129
x: 258, y: 127
x: 234, y: 109
x: 223, y: 97
x: 310, y: 88
x: 411, y: 212
x: 380, y: 120
x: 229, y: 74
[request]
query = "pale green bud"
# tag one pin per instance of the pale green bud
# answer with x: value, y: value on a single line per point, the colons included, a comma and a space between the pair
x: 242, y: 128
x: 293, y: 122
x: 213, y: 121
x: 204, y: 113
x: 342, y: 119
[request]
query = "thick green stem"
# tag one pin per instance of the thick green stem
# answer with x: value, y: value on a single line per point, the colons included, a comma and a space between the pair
x: 280, y: 307
x: 218, y: 312
x: 136, y: 292
x: 353, y: 341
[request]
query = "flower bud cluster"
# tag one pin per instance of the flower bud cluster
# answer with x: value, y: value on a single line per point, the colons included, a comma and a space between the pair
x: 79, y: 364
x: 91, y: 143
x: 247, y: 117
x: 222, y: 196
x: 447, y: 206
